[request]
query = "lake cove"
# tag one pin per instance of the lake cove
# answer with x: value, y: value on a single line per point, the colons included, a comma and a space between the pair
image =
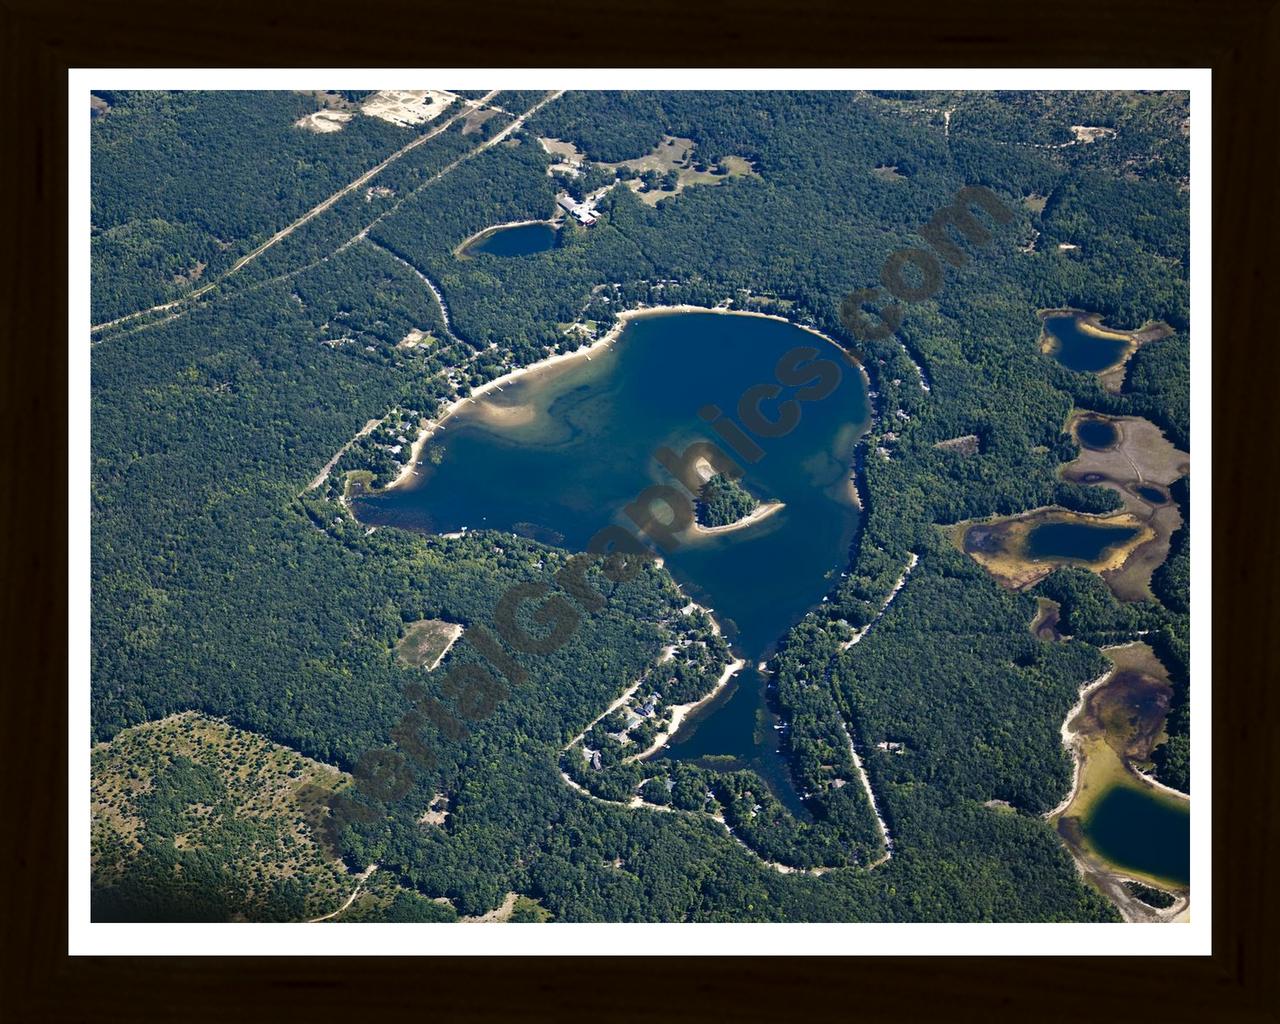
x: 1143, y: 832
x: 559, y: 453
x: 514, y: 240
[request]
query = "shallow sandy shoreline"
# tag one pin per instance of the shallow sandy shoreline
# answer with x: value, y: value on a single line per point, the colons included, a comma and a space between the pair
x: 1109, y: 878
x: 761, y: 512
x: 461, y: 248
x: 1071, y: 740
x: 496, y: 384
x: 624, y: 318
x: 682, y: 711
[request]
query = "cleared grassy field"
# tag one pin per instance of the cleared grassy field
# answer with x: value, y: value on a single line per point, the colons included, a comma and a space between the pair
x: 426, y: 642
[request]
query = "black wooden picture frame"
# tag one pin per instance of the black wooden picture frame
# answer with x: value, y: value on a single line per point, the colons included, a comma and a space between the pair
x: 1238, y: 39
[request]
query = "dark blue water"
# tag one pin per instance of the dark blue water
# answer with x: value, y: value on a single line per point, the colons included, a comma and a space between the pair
x: 1153, y: 495
x: 1143, y: 832
x: 1096, y: 434
x: 560, y: 453
x: 1081, y: 541
x: 1077, y: 350
x: 521, y: 240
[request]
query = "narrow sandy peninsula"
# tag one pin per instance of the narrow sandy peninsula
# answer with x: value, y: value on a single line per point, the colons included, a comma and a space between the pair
x: 761, y: 512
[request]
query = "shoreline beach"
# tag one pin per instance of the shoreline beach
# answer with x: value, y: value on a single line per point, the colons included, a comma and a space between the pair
x: 584, y: 352
x: 760, y: 513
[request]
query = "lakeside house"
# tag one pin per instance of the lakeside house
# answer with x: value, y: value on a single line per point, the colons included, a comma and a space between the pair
x: 584, y: 213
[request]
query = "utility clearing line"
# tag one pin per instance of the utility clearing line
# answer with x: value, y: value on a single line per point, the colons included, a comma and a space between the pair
x: 468, y: 107
x: 515, y: 125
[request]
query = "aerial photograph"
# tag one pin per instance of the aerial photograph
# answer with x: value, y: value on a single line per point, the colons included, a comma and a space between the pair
x: 598, y: 505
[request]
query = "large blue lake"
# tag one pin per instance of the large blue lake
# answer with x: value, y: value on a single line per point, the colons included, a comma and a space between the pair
x: 559, y: 453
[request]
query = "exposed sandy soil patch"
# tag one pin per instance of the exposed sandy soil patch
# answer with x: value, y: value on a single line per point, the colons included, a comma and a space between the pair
x: 407, y: 107
x: 1086, y: 133
x: 1044, y: 624
x: 999, y: 544
x: 413, y: 339
x: 1142, y: 459
x: 498, y: 915
x: 566, y: 151
x: 426, y: 642
x: 477, y: 118
x: 324, y: 121
x: 965, y: 445
x: 437, y: 812
x: 1110, y: 733
x: 888, y: 172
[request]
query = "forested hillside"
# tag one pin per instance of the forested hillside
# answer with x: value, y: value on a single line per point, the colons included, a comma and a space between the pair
x: 222, y: 584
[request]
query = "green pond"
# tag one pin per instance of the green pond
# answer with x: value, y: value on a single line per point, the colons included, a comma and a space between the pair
x: 1082, y: 541
x: 1077, y: 350
x: 1142, y: 831
x: 517, y: 240
x: 559, y: 453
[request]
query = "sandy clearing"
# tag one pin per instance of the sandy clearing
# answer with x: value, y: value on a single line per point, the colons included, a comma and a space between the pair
x: 496, y: 916
x: 324, y: 121
x: 407, y: 107
x: 455, y: 632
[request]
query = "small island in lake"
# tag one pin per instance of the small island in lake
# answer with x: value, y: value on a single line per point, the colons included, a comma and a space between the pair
x: 724, y: 501
x: 724, y: 505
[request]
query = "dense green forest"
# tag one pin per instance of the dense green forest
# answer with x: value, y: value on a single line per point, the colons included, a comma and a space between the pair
x: 186, y: 180
x: 723, y: 501
x: 222, y: 584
